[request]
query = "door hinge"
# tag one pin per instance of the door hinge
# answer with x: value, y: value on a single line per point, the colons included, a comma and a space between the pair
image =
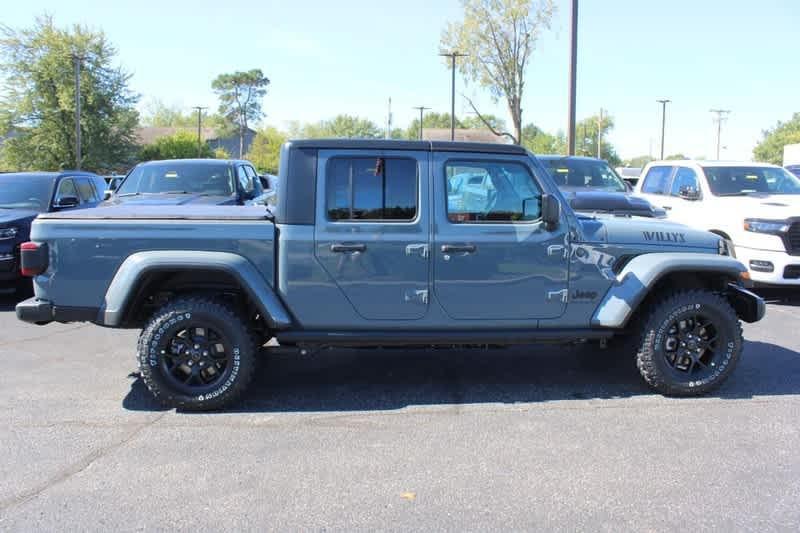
x: 420, y: 249
x: 563, y: 295
x: 416, y: 296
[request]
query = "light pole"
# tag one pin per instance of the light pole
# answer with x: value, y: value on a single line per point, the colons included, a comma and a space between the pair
x: 199, y: 128
x: 663, y: 103
x: 77, y: 60
x: 453, y: 55
x: 573, y: 73
x: 721, y: 116
x: 422, y: 110
x: 599, y: 132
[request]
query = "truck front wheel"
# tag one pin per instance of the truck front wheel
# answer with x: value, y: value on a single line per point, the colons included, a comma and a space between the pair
x: 196, y: 354
x: 691, y: 342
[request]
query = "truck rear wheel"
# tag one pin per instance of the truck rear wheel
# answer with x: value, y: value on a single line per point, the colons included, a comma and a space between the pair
x: 691, y: 343
x: 196, y: 354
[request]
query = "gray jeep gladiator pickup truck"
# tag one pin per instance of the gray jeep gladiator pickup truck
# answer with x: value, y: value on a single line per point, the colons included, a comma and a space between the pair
x: 371, y: 246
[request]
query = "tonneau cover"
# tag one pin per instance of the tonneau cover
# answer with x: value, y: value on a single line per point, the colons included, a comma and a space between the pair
x: 142, y: 212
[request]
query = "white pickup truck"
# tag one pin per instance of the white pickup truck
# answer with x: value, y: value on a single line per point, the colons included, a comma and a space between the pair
x: 755, y: 207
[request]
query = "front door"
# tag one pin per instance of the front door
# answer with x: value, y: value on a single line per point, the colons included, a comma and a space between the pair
x: 493, y: 257
x: 372, y: 230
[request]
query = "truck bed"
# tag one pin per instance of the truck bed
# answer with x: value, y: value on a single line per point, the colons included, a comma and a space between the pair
x: 193, y: 212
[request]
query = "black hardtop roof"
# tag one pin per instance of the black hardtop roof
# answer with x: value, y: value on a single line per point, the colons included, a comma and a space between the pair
x: 559, y: 157
x: 421, y: 146
x: 47, y: 175
x: 195, y: 162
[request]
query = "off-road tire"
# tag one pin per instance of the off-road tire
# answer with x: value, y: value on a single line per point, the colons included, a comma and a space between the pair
x: 206, y: 313
x: 652, y: 357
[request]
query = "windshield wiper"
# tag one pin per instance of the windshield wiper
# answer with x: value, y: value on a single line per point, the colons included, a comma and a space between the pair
x: 739, y: 193
x: 127, y: 194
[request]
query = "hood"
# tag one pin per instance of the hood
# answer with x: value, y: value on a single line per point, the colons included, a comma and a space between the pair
x: 169, y: 199
x: 768, y: 206
x: 588, y: 201
x: 7, y: 216
x: 643, y: 231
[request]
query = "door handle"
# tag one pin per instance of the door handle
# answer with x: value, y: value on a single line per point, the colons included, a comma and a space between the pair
x: 339, y: 248
x: 458, y: 248
x: 667, y: 207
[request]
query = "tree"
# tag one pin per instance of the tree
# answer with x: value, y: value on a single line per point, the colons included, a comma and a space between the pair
x: 586, y: 139
x: 240, y: 95
x: 179, y: 145
x: 638, y: 162
x: 158, y: 114
x: 266, y: 149
x: 770, y: 149
x: 540, y: 142
x: 432, y: 120
x: 676, y: 157
x: 39, y: 99
x: 339, y: 127
x: 499, y: 36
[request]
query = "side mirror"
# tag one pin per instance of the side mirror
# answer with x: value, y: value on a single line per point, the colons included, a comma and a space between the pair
x: 551, y: 212
x: 67, y: 201
x: 689, y: 193
x: 107, y: 194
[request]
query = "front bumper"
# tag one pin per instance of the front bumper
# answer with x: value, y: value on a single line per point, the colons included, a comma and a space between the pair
x: 42, y: 312
x: 785, y: 267
x: 9, y: 266
x: 749, y: 306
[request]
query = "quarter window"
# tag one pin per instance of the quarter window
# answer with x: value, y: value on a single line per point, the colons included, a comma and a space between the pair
x: 657, y: 180
x: 372, y: 188
x: 496, y: 191
x: 85, y: 189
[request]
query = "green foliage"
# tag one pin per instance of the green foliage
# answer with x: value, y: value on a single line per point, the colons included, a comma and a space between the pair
x: 431, y: 120
x: 586, y: 139
x: 770, y: 149
x: 180, y: 145
x: 678, y: 157
x: 339, y: 127
x: 221, y: 153
x: 240, y: 95
x: 499, y: 37
x: 540, y: 142
x: 638, y: 162
x: 39, y: 99
x: 475, y: 123
x: 266, y: 149
x: 158, y: 114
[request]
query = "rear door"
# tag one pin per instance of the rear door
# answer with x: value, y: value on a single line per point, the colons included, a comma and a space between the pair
x: 373, y: 230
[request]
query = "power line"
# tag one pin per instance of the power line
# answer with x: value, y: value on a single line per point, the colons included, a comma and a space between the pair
x: 663, y: 103
x: 722, y: 115
x: 453, y: 55
x: 199, y: 128
x: 422, y: 110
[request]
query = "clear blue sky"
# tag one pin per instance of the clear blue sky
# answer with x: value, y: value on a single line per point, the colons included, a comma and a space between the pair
x: 350, y: 56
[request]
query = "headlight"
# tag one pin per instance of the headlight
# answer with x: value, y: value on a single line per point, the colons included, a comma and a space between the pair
x: 766, y: 226
x: 8, y: 233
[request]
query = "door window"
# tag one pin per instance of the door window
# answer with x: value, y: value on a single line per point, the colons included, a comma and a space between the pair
x: 369, y: 188
x: 66, y: 188
x: 85, y: 190
x: 685, y: 179
x: 657, y: 180
x: 491, y: 191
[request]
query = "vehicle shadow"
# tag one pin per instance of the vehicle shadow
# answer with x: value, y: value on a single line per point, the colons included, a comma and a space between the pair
x: 369, y: 380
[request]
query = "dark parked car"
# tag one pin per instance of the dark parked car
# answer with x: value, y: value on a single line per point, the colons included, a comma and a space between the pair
x: 24, y: 195
x: 591, y: 185
x: 794, y: 169
x: 191, y: 181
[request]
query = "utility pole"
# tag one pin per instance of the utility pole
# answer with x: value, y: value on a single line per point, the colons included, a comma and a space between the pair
x: 421, y: 111
x: 77, y: 60
x: 573, y: 73
x: 453, y: 56
x: 388, y: 134
x: 722, y: 115
x: 199, y: 128
x: 599, y: 132
x: 663, y: 103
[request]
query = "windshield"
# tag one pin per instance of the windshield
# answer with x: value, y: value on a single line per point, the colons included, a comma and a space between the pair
x: 183, y: 177
x: 584, y: 174
x: 25, y: 192
x: 737, y: 181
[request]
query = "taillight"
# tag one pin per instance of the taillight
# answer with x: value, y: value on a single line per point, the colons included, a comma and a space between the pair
x: 33, y: 258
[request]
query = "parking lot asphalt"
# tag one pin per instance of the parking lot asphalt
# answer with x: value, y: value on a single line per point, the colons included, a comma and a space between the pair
x: 547, y: 438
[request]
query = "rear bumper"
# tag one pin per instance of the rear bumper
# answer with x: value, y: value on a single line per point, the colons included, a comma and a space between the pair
x: 42, y: 312
x: 749, y: 306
